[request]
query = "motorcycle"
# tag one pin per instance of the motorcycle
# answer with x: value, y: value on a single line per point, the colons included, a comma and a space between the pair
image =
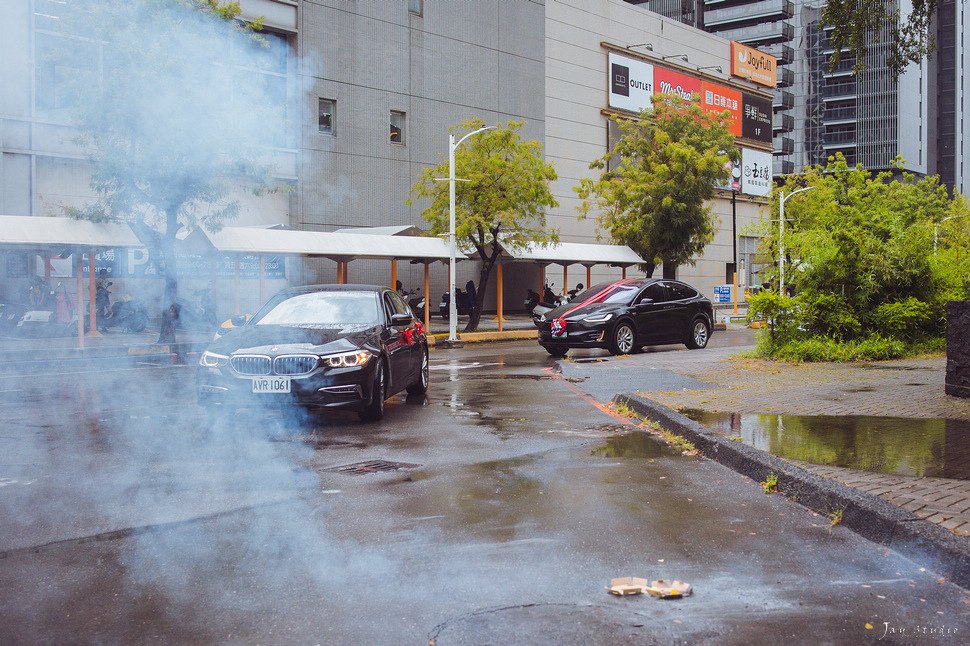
x: 10, y: 314
x: 50, y: 312
x: 415, y: 301
x: 197, y: 314
x: 537, y: 308
x: 129, y: 314
x: 462, y: 303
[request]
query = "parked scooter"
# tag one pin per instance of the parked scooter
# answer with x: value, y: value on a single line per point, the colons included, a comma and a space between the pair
x: 197, y: 314
x: 549, y: 302
x: 50, y: 312
x: 463, y: 303
x: 415, y: 301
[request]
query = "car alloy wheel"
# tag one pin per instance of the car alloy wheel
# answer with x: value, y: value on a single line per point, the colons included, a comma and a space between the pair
x: 375, y: 409
x: 421, y: 385
x: 699, y: 335
x: 623, y: 339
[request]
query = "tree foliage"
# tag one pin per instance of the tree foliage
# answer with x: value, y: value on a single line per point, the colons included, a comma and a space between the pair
x: 503, y: 201
x: 857, y: 24
x: 170, y: 124
x: 860, y: 254
x: 653, y: 187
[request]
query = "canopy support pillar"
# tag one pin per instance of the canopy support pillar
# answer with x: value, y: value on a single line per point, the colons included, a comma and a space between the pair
x: 235, y: 286
x: 78, y: 266
x: 589, y: 276
x: 565, y: 279
x: 427, y: 300
x: 92, y: 312
x: 393, y: 274
x: 262, y: 278
x: 623, y: 271
x: 499, y: 297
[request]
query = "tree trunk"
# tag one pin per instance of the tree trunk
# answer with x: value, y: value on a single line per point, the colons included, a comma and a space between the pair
x: 166, y: 333
x: 476, y: 314
x: 670, y: 271
x: 648, y: 269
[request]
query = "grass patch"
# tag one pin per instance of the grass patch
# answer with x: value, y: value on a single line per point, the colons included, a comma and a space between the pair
x: 686, y: 447
x: 835, y: 516
x: 735, y: 438
x: 770, y: 484
x: 872, y: 348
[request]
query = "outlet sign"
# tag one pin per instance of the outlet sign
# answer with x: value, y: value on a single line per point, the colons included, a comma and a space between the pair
x: 631, y: 83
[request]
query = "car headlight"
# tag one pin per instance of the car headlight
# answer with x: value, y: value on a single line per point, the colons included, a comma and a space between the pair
x: 598, y: 318
x: 346, y: 359
x: 213, y: 360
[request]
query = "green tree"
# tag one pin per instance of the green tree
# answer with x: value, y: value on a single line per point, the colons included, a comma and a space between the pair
x: 171, y: 126
x: 857, y: 25
x: 502, y: 202
x: 860, y: 253
x: 651, y: 194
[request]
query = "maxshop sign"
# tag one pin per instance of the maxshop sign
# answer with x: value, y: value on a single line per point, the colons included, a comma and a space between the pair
x: 631, y: 83
x: 669, y: 82
x: 717, y: 98
x: 756, y: 117
x: 754, y: 65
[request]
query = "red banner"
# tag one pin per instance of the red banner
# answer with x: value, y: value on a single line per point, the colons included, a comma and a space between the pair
x: 717, y: 98
x: 670, y: 82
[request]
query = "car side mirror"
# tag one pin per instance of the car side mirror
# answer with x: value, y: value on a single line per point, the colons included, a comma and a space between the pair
x: 645, y: 301
x: 238, y: 320
x: 401, y: 320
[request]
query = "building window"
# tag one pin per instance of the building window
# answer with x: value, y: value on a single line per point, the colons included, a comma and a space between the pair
x: 325, y: 115
x: 397, y: 126
x: 416, y: 7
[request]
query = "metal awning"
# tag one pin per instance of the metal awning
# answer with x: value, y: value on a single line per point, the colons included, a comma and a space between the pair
x: 399, y: 230
x: 41, y: 233
x: 569, y: 253
x: 344, y: 246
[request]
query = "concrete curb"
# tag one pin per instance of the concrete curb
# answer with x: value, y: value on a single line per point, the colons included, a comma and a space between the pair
x: 104, y: 352
x: 869, y: 516
x: 485, y: 337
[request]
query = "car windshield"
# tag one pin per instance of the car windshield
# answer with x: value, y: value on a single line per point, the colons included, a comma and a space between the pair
x: 323, y: 309
x: 608, y: 293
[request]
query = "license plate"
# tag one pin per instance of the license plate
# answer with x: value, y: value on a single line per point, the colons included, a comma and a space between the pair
x: 561, y: 335
x: 271, y: 385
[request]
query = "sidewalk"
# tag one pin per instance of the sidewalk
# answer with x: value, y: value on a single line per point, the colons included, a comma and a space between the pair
x: 911, y: 389
x: 121, y: 344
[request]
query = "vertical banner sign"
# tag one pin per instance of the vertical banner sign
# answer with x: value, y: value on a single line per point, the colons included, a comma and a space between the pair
x: 755, y: 172
x: 756, y: 118
x: 717, y: 98
x: 754, y: 65
x: 631, y: 83
x: 669, y: 82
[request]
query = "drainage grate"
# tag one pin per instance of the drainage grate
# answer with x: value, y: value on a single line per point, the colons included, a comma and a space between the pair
x: 371, y: 466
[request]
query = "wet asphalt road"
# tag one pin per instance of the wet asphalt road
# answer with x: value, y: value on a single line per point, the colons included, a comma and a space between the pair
x: 125, y: 517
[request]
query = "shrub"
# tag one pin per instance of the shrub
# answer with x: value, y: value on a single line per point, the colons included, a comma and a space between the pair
x: 829, y: 315
x: 879, y: 348
x: 777, y: 310
x: 908, y: 319
x: 816, y: 348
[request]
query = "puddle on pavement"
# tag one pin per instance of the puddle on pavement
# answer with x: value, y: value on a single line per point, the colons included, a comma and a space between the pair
x: 938, y: 448
x: 631, y: 445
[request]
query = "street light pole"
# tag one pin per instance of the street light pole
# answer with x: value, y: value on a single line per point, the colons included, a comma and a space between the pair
x: 781, y: 237
x: 452, y: 305
x: 936, y: 229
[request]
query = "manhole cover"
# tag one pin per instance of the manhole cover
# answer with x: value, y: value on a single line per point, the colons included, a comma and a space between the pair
x: 371, y: 466
x: 592, y: 360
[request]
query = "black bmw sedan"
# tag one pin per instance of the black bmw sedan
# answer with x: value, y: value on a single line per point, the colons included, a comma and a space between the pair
x: 322, y: 346
x: 628, y: 314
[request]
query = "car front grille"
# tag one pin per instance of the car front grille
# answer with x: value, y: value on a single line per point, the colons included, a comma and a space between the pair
x: 295, y: 364
x: 251, y: 364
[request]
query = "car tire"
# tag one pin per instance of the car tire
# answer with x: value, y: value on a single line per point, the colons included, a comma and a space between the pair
x: 698, y: 334
x: 375, y: 409
x: 420, y: 386
x: 623, y: 339
x: 137, y: 323
x: 557, y: 351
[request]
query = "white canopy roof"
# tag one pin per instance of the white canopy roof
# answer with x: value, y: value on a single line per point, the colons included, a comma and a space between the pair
x: 398, y: 230
x: 575, y: 253
x: 329, y: 244
x: 37, y: 232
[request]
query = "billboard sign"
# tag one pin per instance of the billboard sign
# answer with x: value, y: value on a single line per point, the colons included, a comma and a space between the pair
x: 717, y: 98
x: 754, y: 65
x: 670, y: 82
x: 756, y: 117
x: 755, y: 172
x: 631, y: 83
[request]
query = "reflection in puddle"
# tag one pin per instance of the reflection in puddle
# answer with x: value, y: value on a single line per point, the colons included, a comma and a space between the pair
x: 895, y: 445
x: 630, y: 445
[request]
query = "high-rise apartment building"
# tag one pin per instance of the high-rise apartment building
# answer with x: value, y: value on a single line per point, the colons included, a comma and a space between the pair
x: 819, y: 110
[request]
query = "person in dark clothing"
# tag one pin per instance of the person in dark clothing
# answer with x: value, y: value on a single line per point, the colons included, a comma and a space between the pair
x: 470, y: 294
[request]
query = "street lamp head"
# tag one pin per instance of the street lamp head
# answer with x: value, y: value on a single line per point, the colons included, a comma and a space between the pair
x: 682, y: 57
x: 646, y: 46
x: 711, y: 67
